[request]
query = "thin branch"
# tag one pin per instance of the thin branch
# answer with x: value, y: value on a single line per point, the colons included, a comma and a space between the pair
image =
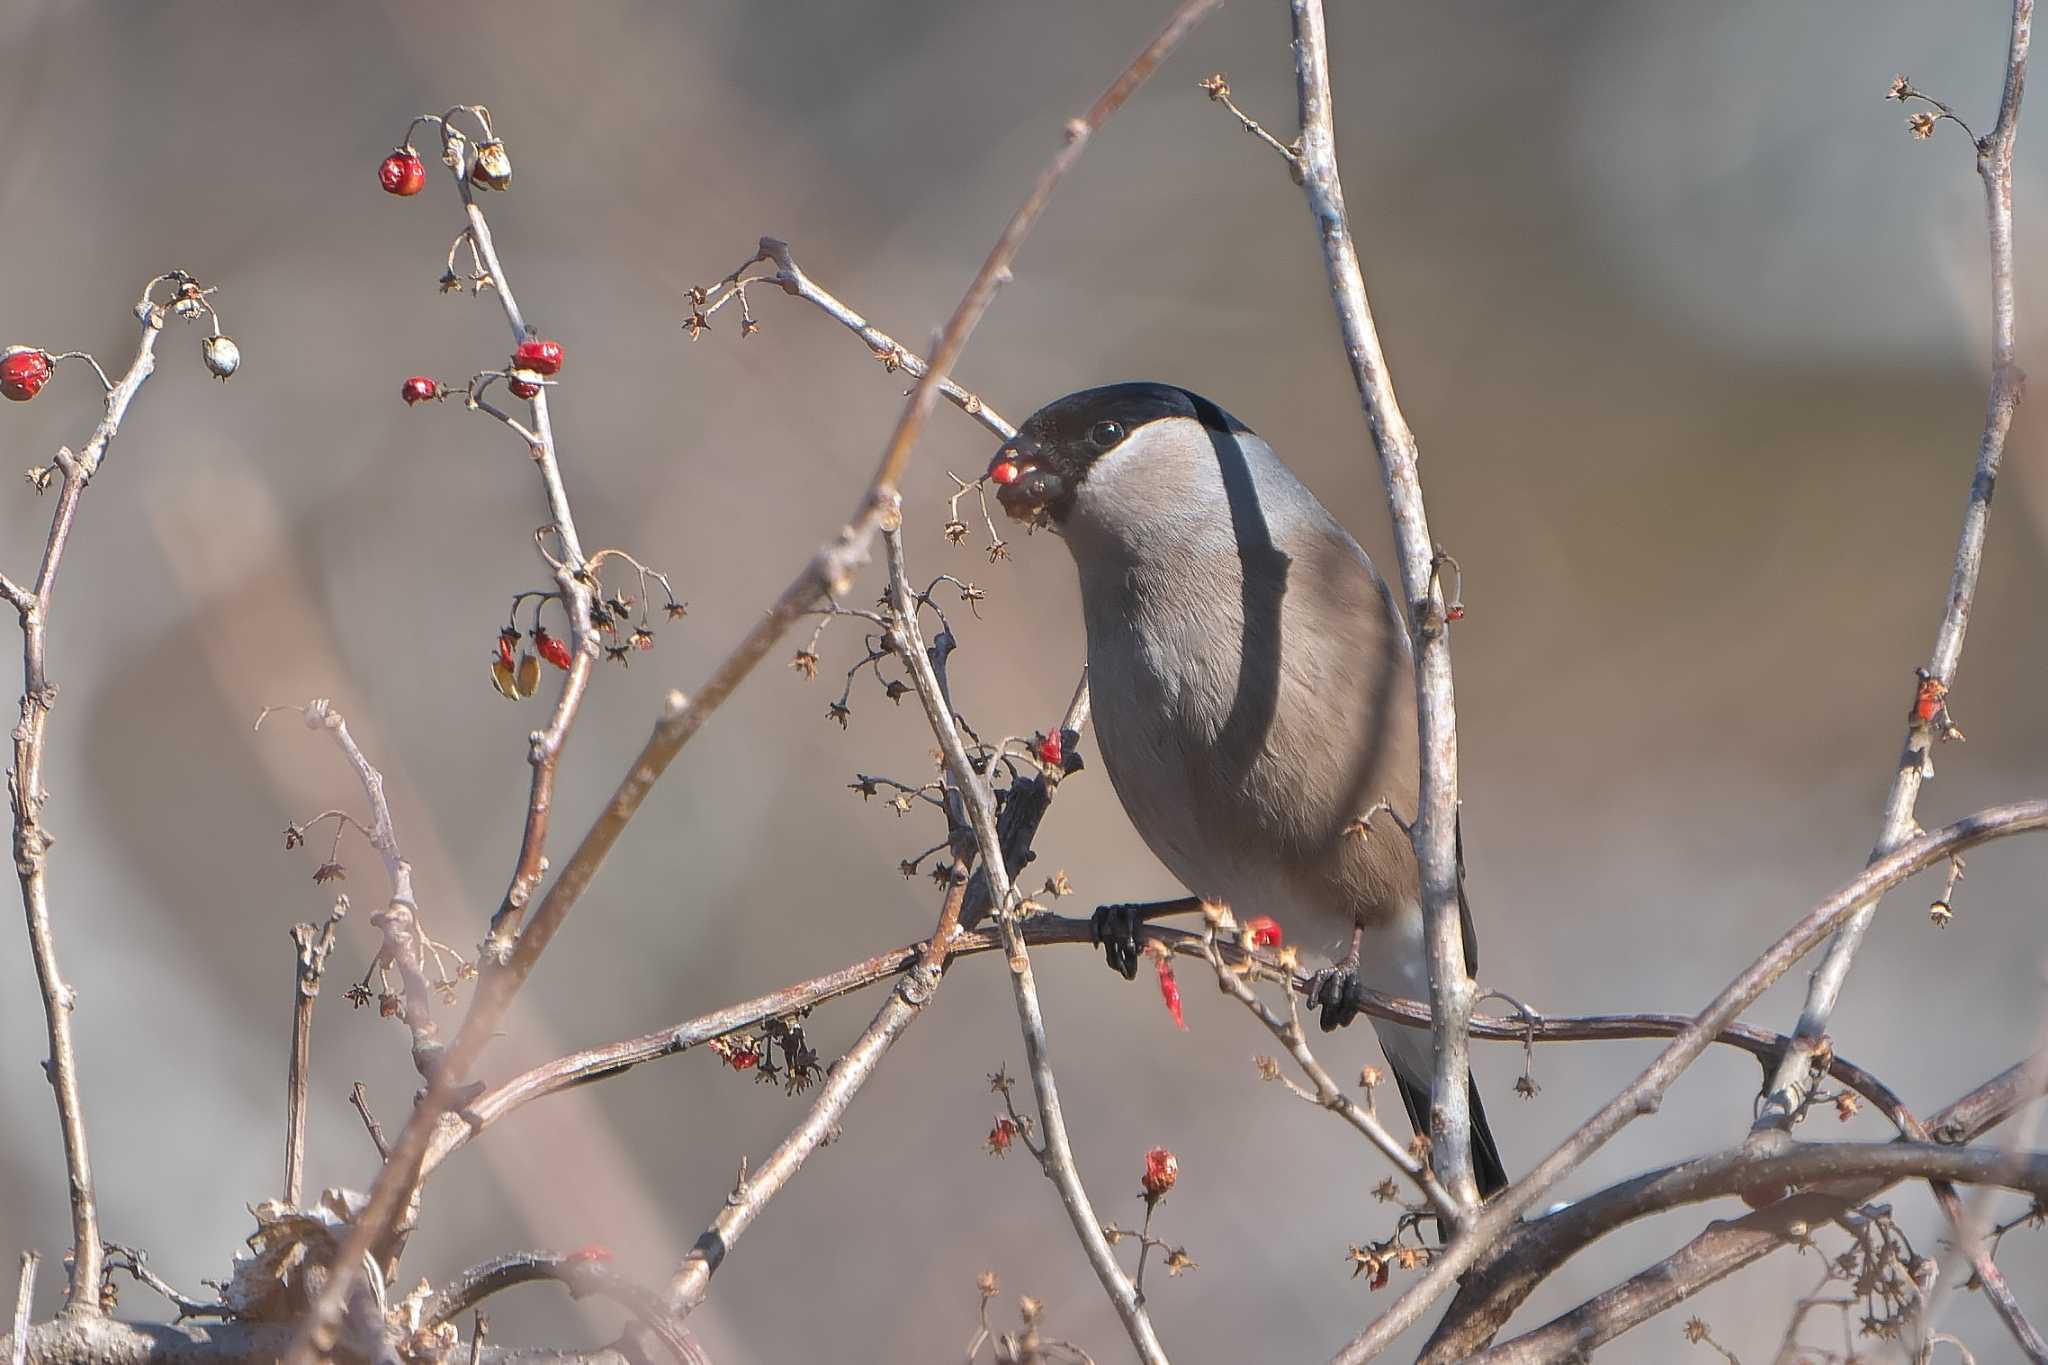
x: 828, y: 571
x: 582, y: 1275
x: 103, y: 1341
x: 1645, y: 1093
x: 27, y: 796
x: 1435, y: 833
x: 24, y: 1300
x: 1328, y: 1094
x: 309, y: 962
x: 1057, y: 1153
x: 360, y: 1098
x: 610, y: 1059
x: 1787, y: 1087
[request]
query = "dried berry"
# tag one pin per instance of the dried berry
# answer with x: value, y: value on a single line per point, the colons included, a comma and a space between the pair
x: 1050, y: 750
x: 1001, y: 1136
x: 403, y: 173
x: 1162, y: 1169
x: 419, y: 389
x: 1263, y: 931
x: 554, y: 650
x: 1169, y: 989
x: 23, y: 372
x: 539, y: 353
x: 492, y: 169
x: 223, y: 357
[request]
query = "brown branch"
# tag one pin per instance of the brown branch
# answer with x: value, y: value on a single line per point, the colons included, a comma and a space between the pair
x: 581, y: 1276
x: 360, y: 1098
x: 309, y: 962
x: 593, y: 1064
x: 1645, y: 1093
x: 1501, y: 1283
x: 103, y: 1341
x: 1787, y: 1086
x: 1434, y: 833
x: 28, y: 795
x: 24, y: 1300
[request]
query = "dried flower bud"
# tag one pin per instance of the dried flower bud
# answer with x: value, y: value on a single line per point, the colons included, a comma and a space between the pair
x: 1921, y: 125
x: 988, y: 1284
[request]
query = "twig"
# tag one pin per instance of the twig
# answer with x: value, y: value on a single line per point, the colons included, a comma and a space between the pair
x: 790, y: 278
x: 1498, y: 1287
x: 681, y: 718
x: 581, y: 1275
x: 24, y: 1300
x: 27, y: 796
x: 360, y: 1098
x: 309, y: 962
x: 1787, y: 1086
x: 1056, y: 1156
x: 610, y: 1059
x: 1645, y: 1093
x: 1328, y: 1094
x: 1435, y: 833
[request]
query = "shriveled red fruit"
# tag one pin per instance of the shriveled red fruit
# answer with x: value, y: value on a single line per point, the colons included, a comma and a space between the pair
x: 1262, y: 931
x: 23, y: 372
x: 540, y: 354
x: 1162, y: 1169
x: 1169, y: 989
x: 419, y: 389
x: 1050, y: 750
x: 524, y: 383
x: 553, y: 650
x: 403, y: 173
x: 1005, y: 471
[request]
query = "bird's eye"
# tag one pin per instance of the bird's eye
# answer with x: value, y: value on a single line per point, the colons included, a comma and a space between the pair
x: 1106, y: 434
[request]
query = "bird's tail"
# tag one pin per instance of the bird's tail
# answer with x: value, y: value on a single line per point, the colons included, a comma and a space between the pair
x: 1486, y: 1167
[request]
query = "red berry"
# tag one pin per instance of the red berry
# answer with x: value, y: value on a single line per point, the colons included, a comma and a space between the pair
x: 524, y: 383
x: 23, y: 372
x: 539, y: 353
x: 1005, y: 471
x: 1262, y: 931
x: 403, y: 173
x: 1169, y: 989
x: 1002, y: 1135
x: 419, y: 389
x: 1162, y: 1168
x: 1455, y: 612
x: 553, y: 650
x: 1050, y: 750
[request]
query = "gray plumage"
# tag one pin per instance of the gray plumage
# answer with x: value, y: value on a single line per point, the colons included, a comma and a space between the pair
x: 1252, y: 684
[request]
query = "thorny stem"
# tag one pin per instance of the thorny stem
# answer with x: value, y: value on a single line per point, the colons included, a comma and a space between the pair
x: 1645, y: 1093
x: 1057, y: 1153
x: 309, y: 962
x: 1435, y: 833
x: 32, y: 840
x: 828, y: 571
x: 1787, y: 1087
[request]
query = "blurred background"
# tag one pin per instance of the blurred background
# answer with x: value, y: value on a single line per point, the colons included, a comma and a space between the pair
x: 1694, y: 336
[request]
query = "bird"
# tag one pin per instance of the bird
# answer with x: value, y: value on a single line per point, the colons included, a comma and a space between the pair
x: 1253, y: 693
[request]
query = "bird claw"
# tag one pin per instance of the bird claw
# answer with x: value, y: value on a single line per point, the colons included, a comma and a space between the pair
x: 1114, y: 929
x: 1337, y: 992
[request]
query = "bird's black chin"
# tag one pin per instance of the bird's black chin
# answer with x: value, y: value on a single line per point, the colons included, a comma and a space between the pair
x: 1032, y: 496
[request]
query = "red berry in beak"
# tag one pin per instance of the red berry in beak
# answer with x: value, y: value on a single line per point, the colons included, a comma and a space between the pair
x: 540, y: 354
x: 403, y: 173
x: 23, y: 372
x: 1005, y: 472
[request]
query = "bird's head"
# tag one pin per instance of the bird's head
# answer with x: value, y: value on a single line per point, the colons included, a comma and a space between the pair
x: 1057, y: 461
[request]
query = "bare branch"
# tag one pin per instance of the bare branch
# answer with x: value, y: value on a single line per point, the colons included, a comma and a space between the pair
x: 310, y: 961
x: 1435, y: 833
x: 582, y: 1275
x: 360, y: 1098
x: 24, y: 1300
x: 1645, y: 1093
x: 1927, y: 724
x: 1056, y: 1156
x: 27, y: 795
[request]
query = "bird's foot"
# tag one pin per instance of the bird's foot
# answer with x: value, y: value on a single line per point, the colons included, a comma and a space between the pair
x: 1337, y: 992
x: 1114, y: 929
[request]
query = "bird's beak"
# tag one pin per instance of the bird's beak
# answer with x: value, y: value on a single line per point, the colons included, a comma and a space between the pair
x: 1023, y: 486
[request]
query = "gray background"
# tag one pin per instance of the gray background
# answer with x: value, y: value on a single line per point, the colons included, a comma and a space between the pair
x: 1694, y: 338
